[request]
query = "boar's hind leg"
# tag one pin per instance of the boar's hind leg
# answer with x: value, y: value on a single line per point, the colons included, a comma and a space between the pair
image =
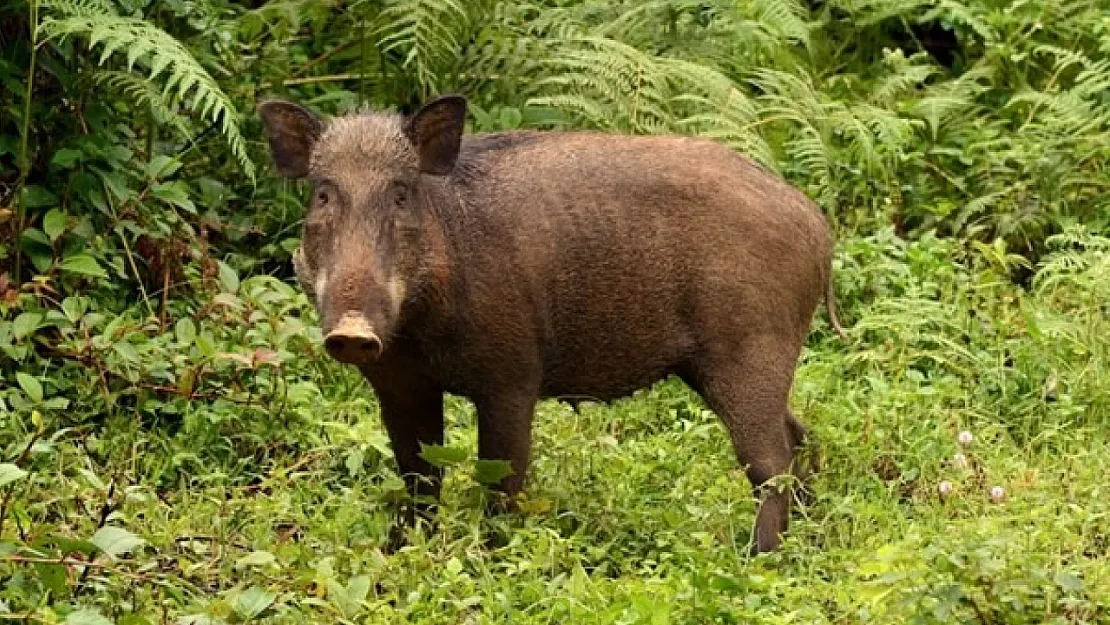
x: 807, y: 456
x: 748, y: 389
x: 413, y: 415
x: 505, y: 433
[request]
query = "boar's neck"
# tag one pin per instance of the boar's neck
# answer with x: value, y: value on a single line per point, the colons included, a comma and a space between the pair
x: 469, y: 258
x: 438, y: 302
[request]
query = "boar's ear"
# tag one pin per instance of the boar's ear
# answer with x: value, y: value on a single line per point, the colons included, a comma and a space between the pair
x: 436, y: 132
x: 291, y: 131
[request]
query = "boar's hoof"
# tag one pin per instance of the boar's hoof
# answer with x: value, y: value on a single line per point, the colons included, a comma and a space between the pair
x: 408, y: 516
x: 500, y: 502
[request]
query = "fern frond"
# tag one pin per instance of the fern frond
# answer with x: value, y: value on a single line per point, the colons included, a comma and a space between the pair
x: 84, y: 8
x: 430, y: 34
x: 144, y: 93
x: 809, y: 153
x: 787, y: 18
x: 1079, y: 262
x: 712, y: 105
x: 1094, y: 81
x: 631, y: 86
x: 968, y: 15
x: 872, y: 12
x: 906, y: 75
x: 955, y: 100
x: 640, y: 23
x: 141, y: 41
x: 1064, y: 113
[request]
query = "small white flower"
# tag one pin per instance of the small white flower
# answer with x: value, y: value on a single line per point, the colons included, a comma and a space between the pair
x: 960, y: 461
x: 997, y: 494
x: 945, y: 488
x: 965, y: 438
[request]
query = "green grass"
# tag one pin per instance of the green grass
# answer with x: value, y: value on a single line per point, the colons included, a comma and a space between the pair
x: 637, y: 511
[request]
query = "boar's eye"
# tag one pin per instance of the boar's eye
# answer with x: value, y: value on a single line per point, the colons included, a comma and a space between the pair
x: 324, y: 195
x: 400, y: 193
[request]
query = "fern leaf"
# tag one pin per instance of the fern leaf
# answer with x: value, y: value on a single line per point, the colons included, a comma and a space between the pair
x: 142, y: 92
x: 166, y: 53
x: 430, y: 33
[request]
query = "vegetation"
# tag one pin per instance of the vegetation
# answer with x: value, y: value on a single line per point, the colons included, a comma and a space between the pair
x: 175, y: 447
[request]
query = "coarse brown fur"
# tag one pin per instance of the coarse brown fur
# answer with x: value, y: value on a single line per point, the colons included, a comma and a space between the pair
x: 515, y: 266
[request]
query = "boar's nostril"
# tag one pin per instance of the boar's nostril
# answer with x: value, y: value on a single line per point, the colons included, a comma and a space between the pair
x: 353, y: 349
x: 353, y: 342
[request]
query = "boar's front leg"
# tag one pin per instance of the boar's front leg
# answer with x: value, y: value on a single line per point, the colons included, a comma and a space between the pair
x: 505, y: 433
x: 413, y: 415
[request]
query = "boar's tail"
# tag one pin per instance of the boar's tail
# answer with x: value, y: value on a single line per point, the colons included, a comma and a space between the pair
x: 830, y: 306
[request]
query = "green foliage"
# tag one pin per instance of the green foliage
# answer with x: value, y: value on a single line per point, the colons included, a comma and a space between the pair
x: 175, y: 447
x: 185, y: 81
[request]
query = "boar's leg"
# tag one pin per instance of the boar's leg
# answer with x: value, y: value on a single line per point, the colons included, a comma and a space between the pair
x: 748, y: 389
x: 505, y: 433
x: 807, y: 457
x: 413, y: 414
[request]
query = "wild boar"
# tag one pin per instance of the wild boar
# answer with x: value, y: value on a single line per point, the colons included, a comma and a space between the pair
x: 513, y: 266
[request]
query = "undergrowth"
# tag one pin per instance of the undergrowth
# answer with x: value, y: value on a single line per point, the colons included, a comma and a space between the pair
x: 175, y: 447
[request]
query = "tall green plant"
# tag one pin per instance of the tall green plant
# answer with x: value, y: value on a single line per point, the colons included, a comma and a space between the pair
x: 183, y: 80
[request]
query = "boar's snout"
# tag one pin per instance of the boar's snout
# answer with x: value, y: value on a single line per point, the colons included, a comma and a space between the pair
x: 353, y: 341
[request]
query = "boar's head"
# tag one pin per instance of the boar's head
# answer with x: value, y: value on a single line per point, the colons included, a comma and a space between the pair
x: 370, y: 241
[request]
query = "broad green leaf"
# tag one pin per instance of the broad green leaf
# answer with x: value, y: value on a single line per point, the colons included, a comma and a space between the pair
x: 74, y: 307
x: 34, y: 196
x: 38, y: 247
x: 185, y: 330
x: 227, y: 299
x: 116, y: 541
x: 56, y: 403
x: 30, y: 385
x: 441, y: 456
x: 175, y: 193
x: 1068, y: 582
x: 229, y: 280
x: 248, y: 605
x: 510, y: 118
x: 349, y: 599
x: 354, y: 461
x: 256, y: 558
x: 10, y: 473
x: 492, y: 471
x: 53, y: 577
x: 161, y: 166
x: 117, y: 186
x: 26, y: 324
x: 34, y: 235
x: 206, y: 344
x: 70, y: 546
x: 54, y: 224
x: 186, y: 381
x: 83, y: 264
x: 126, y: 351
x: 86, y: 616
x: 66, y: 158
x: 93, y: 479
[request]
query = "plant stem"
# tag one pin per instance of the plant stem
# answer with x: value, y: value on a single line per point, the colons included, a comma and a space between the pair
x: 25, y: 131
x: 7, y: 499
x: 71, y: 562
